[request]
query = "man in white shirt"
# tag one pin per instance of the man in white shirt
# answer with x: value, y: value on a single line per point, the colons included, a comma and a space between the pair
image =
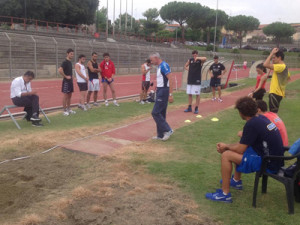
x: 22, y: 95
x: 145, y: 68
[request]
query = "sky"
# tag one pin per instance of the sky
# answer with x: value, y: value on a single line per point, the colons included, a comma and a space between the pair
x: 267, y: 11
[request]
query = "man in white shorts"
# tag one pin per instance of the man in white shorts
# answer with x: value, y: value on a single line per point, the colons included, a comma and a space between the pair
x: 194, y: 67
x: 82, y: 80
x: 146, y: 68
x: 93, y: 83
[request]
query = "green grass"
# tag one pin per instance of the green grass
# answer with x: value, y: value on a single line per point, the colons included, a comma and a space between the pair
x: 197, y: 170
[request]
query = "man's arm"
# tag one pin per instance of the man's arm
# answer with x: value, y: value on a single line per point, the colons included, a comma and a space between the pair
x: 267, y: 63
x: 170, y: 78
x: 61, y: 72
x: 202, y: 59
x: 186, y: 66
x: 238, y: 147
x: 91, y: 68
x: 77, y: 69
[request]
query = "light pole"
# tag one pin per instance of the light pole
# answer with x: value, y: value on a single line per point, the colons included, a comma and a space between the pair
x: 131, y: 15
x: 120, y: 23
x: 215, y: 36
x: 107, y: 20
x: 25, y: 8
x: 126, y: 19
x: 114, y: 18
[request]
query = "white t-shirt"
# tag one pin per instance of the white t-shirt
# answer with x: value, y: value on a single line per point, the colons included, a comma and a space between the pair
x: 147, y: 76
x: 18, y: 86
x: 83, y: 72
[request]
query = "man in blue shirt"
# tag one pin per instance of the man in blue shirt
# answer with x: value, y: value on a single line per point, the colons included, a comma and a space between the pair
x: 260, y: 137
x: 164, y: 90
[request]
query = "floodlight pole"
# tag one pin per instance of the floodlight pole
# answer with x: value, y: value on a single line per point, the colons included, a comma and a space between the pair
x: 126, y: 19
x: 107, y: 20
x: 131, y: 14
x: 215, y: 36
x: 114, y: 18
x: 120, y: 24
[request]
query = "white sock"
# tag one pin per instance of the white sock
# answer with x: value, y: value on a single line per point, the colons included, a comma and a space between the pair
x: 224, y: 193
x: 235, y: 180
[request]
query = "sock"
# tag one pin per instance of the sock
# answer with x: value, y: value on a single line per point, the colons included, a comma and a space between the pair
x: 224, y: 193
x: 196, y: 108
x: 190, y: 106
x: 235, y: 180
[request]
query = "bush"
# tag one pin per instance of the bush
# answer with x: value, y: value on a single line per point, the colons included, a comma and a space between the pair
x: 235, y: 51
x: 211, y: 48
x: 266, y: 53
x: 299, y: 55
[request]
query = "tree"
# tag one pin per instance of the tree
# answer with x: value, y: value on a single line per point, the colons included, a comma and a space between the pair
x: 100, y: 20
x: 151, y: 14
x: 151, y: 24
x: 279, y: 31
x: 242, y: 24
x: 135, y: 23
x: 179, y: 12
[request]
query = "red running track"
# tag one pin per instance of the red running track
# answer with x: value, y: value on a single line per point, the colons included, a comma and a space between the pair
x: 50, y: 94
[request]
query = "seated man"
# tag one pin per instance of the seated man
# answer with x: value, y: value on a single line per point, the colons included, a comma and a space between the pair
x: 273, y: 117
x: 260, y: 137
x: 22, y: 95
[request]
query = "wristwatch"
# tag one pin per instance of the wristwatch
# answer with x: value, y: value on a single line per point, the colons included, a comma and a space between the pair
x: 170, y: 94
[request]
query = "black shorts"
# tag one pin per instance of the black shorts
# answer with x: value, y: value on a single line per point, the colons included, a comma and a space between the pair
x: 215, y: 82
x: 259, y: 94
x: 145, y: 85
x: 82, y: 86
x: 274, y: 102
x: 67, y: 86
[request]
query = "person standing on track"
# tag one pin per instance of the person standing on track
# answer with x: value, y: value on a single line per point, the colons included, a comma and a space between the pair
x: 93, y: 83
x: 108, y: 72
x: 146, y: 68
x: 164, y: 93
x: 216, y: 70
x: 67, y: 89
x: 82, y: 80
x: 22, y: 95
x: 194, y: 67
x: 280, y: 78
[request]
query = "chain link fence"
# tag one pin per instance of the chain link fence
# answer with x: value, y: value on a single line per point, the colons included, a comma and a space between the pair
x: 44, y: 54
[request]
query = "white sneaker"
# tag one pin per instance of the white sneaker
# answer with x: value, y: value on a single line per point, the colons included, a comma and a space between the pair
x: 88, y: 106
x: 106, y: 103
x: 213, y: 99
x: 66, y: 113
x: 167, y: 135
x: 147, y: 102
x: 71, y: 111
x: 95, y: 104
x: 84, y: 108
x: 156, y: 138
x: 142, y: 102
x: 220, y: 100
x: 115, y: 103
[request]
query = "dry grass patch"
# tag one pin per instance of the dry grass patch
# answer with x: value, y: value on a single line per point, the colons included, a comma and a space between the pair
x: 31, y: 219
x: 97, y: 209
x: 81, y: 193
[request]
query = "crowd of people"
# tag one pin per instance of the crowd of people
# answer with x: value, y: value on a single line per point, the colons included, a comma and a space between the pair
x: 264, y: 132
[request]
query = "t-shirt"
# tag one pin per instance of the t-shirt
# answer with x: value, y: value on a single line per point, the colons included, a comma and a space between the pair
x: 93, y: 75
x: 264, y: 137
x: 217, y: 69
x: 67, y: 68
x: 161, y: 76
x: 108, y: 69
x: 258, y: 78
x: 273, y: 117
x: 194, y: 75
x: 146, y: 77
x: 279, y: 79
x: 18, y: 86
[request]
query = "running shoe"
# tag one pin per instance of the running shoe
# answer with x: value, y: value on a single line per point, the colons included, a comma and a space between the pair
x: 196, y: 110
x: 189, y: 109
x: 115, y: 103
x: 88, y: 106
x: 106, y: 103
x: 66, y: 113
x: 37, y: 124
x: 238, y: 185
x: 213, y: 99
x: 35, y: 117
x: 167, y: 135
x: 156, y: 138
x: 95, y: 104
x: 220, y: 100
x: 71, y: 111
x: 219, y: 196
x: 142, y: 102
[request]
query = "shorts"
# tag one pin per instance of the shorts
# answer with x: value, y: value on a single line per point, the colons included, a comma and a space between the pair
x: 259, y: 94
x: 94, y: 85
x: 215, y: 82
x: 145, y: 85
x: 67, y: 86
x: 82, y: 86
x: 251, y: 162
x: 104, y: 80
x: 192, y: 89
x: 274, y: 102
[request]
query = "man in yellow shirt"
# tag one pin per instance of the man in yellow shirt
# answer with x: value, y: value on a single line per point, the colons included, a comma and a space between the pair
x: 279, y: 80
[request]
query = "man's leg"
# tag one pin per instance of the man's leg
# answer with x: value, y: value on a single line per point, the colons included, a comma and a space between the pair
x: 65, y: 100
x: 31, y: 104
x: 113, y: 91
x: 69, y: 96
x: 95, y: 96
x: 197, y: 100
x: 219, y: 91
x: 274, y: 102
x: 228, y: 157
x: 105, y: 91
x: 88, y: 97
x: 213, y: 92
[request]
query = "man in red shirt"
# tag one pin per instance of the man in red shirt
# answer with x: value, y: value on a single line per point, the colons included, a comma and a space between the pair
x: 108, y: 71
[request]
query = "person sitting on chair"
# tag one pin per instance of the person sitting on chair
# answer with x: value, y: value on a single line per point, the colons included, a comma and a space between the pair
x: 22, y: 95
x: 260, y: 137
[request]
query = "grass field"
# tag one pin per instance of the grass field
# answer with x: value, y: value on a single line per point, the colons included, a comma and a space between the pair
x: 197, y: 170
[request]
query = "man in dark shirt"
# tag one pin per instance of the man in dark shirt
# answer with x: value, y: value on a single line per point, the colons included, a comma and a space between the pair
x: 94, y: 84
x: 260, y: 137
x: 216, y: 71
x: 194, y: 67
x: 66, y: 70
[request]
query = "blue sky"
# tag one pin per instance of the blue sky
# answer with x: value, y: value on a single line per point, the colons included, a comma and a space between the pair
x: 267, y: 11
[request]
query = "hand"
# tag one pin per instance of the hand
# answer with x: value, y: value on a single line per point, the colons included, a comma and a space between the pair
x: 250, y: 95
x: 219, y: 77
x: 68, y: 77
x: 221, y: 147
x: 274, y: 51
x: 171, y: 99
x: 211, y: 76
x: 109, y: 79
x: 86, y: 79
x: 240, y: 134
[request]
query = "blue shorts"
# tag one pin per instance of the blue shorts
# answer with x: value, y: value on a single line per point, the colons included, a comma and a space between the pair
x: 251, y: 162
x: 104, y: 80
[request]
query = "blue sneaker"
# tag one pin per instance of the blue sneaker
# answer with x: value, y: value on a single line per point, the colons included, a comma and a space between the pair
x: 238, y: 185
x: 218, y: 196
x: 196, y: 111
x: 189, y: 109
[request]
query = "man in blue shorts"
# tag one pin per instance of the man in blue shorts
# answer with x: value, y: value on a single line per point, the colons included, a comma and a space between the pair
x: 260, y: 137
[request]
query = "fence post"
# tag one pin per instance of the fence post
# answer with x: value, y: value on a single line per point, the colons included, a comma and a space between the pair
x: 75, y: 51
x: 35, y: 58
x: 10, y: 59
x: 118, y: 66
x: 56, y: 56
x: 91, y: 45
